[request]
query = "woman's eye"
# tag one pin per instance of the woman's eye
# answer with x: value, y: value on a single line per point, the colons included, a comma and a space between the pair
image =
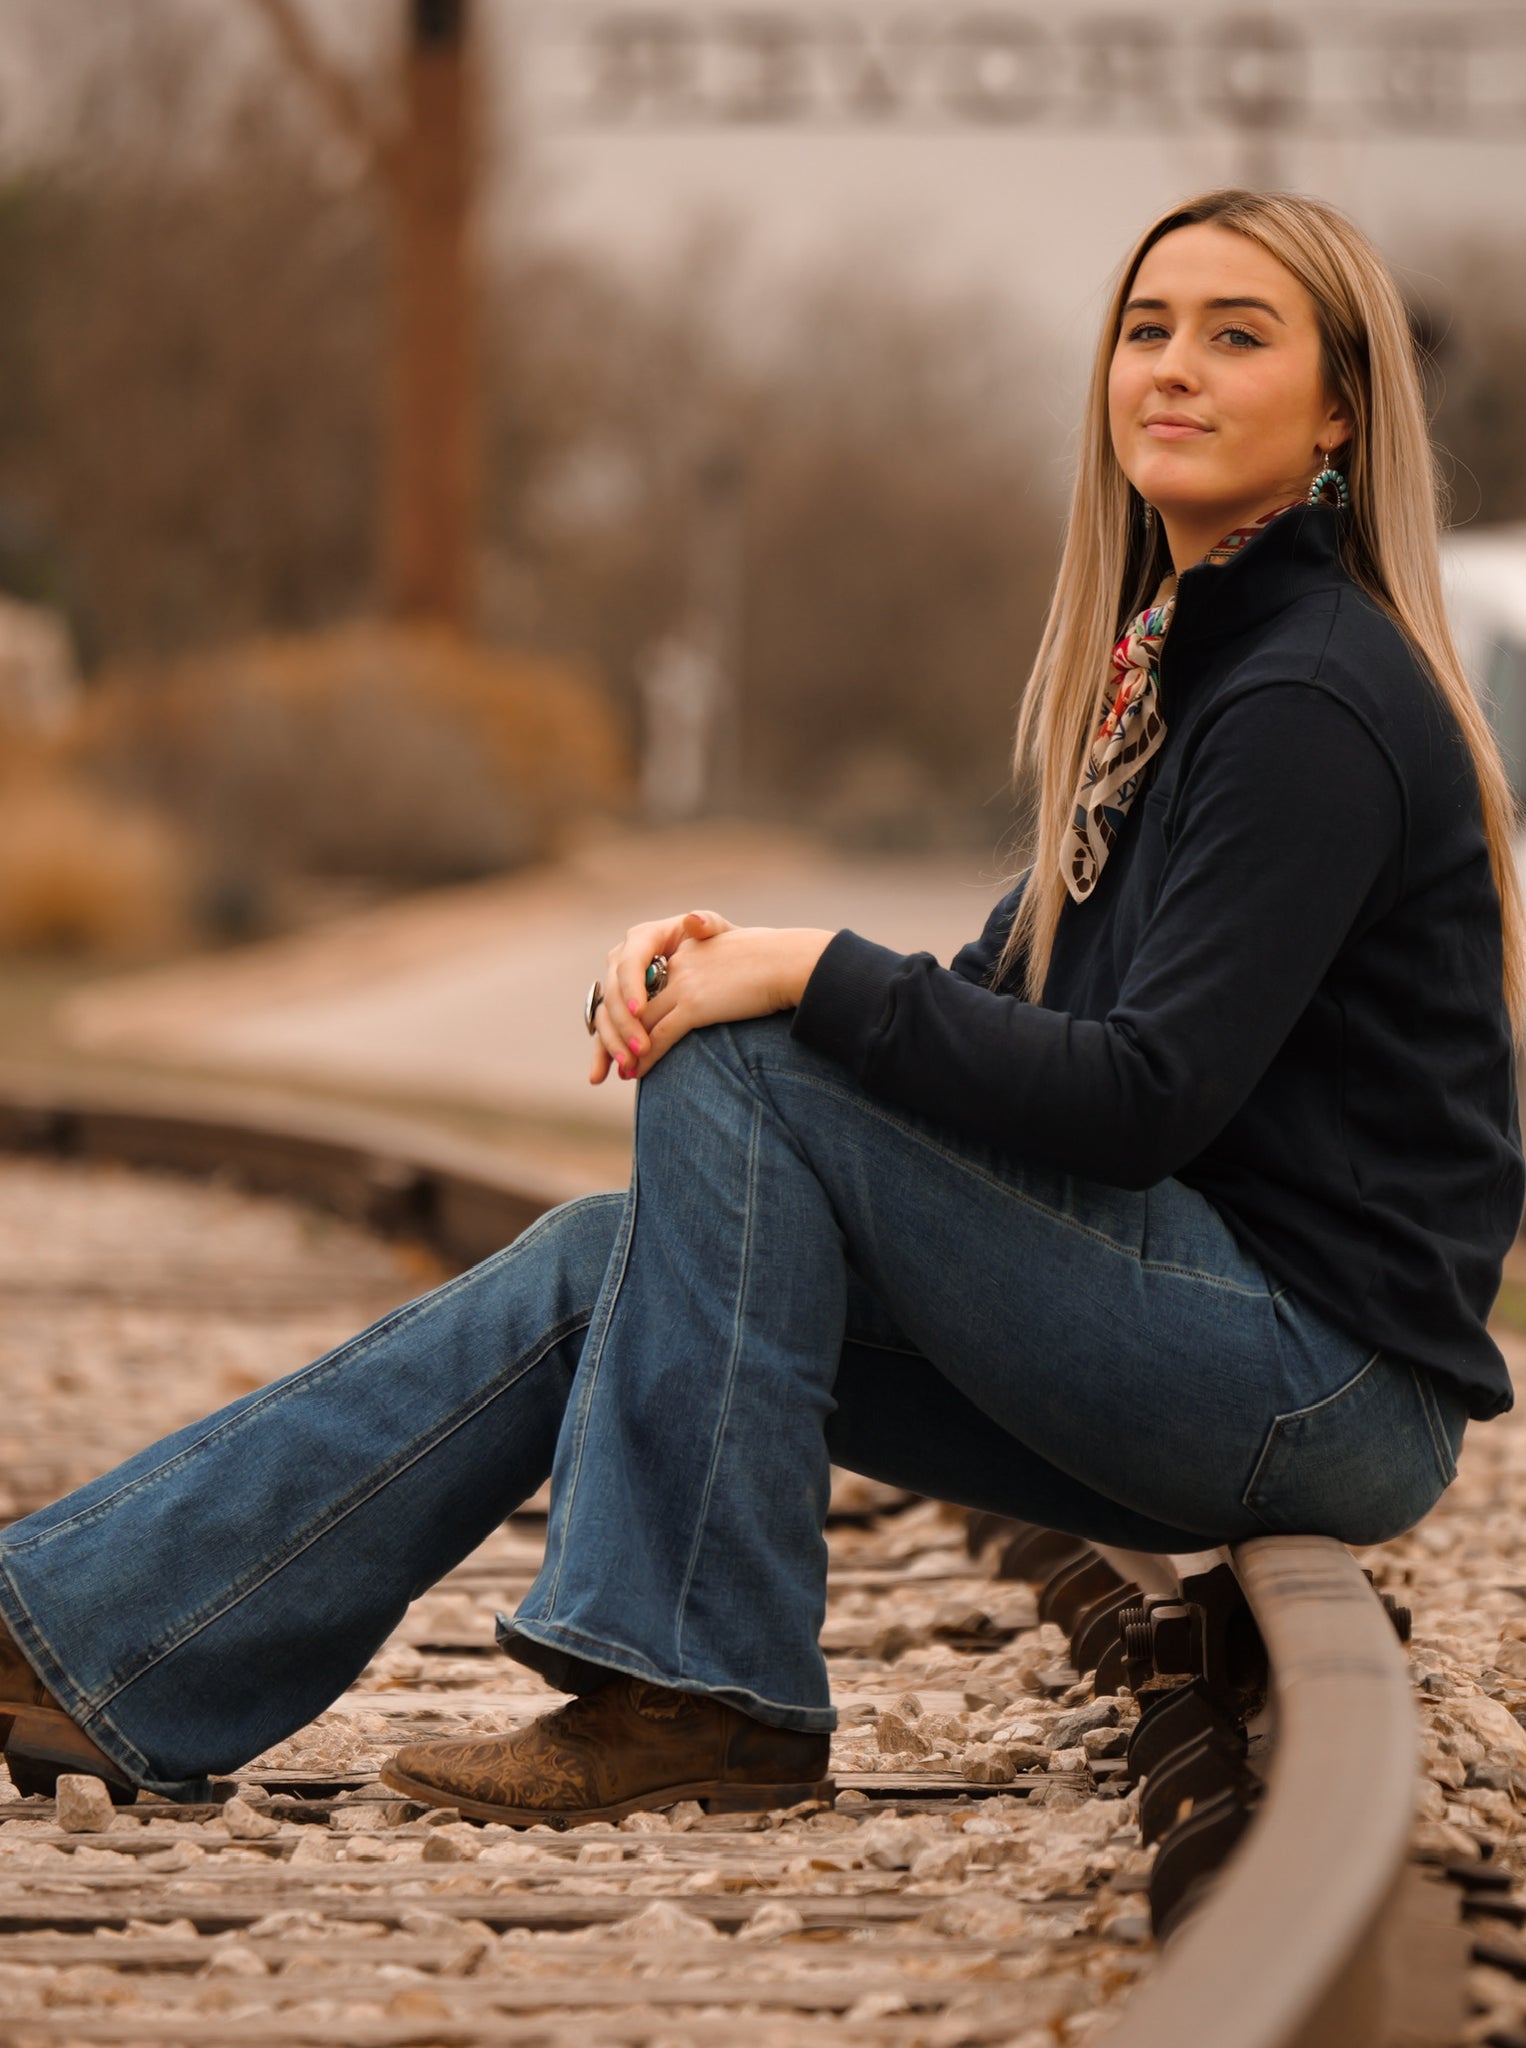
x: 1145, y: 329
x: 1242, y: 336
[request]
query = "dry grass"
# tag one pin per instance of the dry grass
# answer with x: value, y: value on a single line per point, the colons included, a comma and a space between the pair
x: 81, y: 873
x: 403, y: 755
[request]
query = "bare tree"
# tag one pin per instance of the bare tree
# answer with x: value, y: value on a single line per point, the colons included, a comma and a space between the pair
x: 424, y: 160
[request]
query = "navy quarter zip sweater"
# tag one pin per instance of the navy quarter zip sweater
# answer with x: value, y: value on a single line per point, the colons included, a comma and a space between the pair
x: 1285, y: 989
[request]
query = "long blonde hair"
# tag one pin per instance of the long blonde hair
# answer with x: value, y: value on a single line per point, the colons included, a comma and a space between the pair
x: 1113, y: 558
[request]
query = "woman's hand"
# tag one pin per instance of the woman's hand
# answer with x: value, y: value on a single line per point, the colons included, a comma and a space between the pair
x: 620, y: 1038
x: 718, y: 973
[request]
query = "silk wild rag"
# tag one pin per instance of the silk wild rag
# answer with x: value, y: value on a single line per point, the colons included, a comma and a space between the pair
x: 1132, y: 729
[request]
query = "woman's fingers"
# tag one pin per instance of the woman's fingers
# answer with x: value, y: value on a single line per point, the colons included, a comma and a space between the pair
x: 628, y: 1048
x: 663, y: 1036
x: 616, y: 1035
x: 639, y: 1037
x: 625, y: 979
x: 609, y: 1049
x: 626, y: 990
x: 626, y: 1021
x: 750, y: 973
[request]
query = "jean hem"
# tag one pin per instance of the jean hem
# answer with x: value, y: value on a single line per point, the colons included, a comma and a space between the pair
x: 94, y: 1722
x: 631, y: 1663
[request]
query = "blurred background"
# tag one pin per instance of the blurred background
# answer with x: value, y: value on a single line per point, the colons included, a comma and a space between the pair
x: 476, y: 473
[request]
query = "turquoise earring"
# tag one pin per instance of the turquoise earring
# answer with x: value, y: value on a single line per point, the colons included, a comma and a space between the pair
x: 1327, y: 477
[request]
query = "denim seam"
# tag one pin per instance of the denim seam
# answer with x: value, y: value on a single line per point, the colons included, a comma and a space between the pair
x: 589, y: 1364
x: 421, y: 1447
x: 738, y: 1321
x: 1247, y: 1498
x: 1346, y: 1387
x: 1275, y: 1433
x: 299, y: 1382
x: 1218, y: 1280
x: 1028, y: 1201
x: 116, y: 1746
x: 956, y: 1159
x: 557, y: 1635
x: 1446, y: 1464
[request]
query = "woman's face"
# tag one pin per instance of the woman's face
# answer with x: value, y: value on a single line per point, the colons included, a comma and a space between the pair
x: 1216, y: 394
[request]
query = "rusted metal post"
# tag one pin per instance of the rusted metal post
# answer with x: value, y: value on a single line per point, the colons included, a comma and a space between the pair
x: 431, y: 493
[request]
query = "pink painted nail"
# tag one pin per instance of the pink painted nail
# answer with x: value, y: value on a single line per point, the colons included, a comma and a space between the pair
x: 634, y: 1044
x: 634, y: 1008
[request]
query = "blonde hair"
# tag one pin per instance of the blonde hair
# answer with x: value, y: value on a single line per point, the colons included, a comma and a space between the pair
x: 1113, y: 558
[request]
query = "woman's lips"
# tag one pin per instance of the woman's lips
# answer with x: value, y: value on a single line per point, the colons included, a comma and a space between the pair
x: 1173, y: 430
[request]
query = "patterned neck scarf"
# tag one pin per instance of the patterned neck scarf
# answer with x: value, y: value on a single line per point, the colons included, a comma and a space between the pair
x: 1132, y: 730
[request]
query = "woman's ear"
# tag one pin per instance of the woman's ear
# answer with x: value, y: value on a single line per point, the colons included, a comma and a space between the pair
x: 1339, y: 428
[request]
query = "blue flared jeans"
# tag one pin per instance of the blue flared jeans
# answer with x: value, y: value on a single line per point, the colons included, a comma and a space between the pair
x: 799, y: 1273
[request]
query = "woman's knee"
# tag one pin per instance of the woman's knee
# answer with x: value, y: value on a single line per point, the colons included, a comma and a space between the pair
x: 704, y: 1093
x: 572, y: 1243
x: 719, y: 1063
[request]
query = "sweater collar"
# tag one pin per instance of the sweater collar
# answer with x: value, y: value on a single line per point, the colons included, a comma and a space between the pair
x: 1297, y: 554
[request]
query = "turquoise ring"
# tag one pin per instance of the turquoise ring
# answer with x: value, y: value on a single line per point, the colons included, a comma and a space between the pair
x: 657, y: 974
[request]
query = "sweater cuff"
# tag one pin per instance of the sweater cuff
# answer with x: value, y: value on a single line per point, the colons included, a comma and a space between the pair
x: 847, y: 1000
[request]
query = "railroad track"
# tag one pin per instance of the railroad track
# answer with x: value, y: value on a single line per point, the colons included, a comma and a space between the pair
x: 1047, y: 1753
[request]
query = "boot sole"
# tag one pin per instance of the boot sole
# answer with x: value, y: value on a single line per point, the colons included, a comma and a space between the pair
x: 716, y: 1796
x: 38, y: 1741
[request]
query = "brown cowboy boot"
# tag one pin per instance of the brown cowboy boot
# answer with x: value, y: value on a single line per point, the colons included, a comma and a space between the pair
x: 627, y: 1746
x: 38, y: 1737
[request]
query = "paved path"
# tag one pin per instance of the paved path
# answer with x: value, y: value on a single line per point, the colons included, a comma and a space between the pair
x: 475, y: 995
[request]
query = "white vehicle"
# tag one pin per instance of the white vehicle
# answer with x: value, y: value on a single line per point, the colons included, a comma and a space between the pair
x: 1485, y: 578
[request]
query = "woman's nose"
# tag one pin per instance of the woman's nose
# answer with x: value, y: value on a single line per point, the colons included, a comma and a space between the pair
x: 1174, y: 369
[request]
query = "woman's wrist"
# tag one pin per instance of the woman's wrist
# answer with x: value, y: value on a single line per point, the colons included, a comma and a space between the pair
x: 802, y: 949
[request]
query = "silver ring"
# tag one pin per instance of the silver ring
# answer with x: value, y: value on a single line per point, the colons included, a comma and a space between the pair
x: 656, y: 974
x: 591, y: 1002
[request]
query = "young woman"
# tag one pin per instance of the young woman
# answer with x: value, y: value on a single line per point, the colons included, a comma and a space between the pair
x: 1169, y: 1214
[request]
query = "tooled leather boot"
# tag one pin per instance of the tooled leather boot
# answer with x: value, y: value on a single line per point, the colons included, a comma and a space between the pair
x: 627, y: 1746
x: 38, y: 1737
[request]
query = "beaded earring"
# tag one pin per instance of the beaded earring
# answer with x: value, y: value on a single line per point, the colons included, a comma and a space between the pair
x: 1330, y: 477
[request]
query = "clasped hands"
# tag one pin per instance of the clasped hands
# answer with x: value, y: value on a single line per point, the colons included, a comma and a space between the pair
x: 718, y: 973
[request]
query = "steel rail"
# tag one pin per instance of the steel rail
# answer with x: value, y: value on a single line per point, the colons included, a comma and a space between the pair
x: 1287, y: 1950
x: 388, y: 1173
